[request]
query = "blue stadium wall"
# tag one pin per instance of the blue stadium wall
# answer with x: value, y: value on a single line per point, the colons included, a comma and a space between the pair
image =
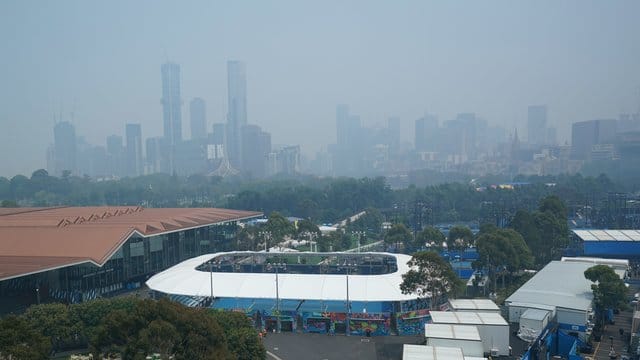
x: 378, y: 318
x: 612, y: 249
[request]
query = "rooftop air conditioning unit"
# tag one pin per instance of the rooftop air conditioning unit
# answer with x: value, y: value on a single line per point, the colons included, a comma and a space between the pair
x: 494, y: 352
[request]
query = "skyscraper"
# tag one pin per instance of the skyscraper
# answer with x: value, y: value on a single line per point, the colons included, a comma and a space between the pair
x: 115, y: 155
x: 198, y: 119
x: 537, y: 124
x: 393, y: 135
x: 134, y: 149
x: 153, y: 147
x: 65, y: 151
x: 256, y: 146
x: 426, y: 133
x: 218, y: 134
x: 350, y: 142
x: 586, y: 134
x: 171, y: 104
x: 237, y: 105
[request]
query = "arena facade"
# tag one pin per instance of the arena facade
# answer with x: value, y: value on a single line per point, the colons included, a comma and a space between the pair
x: 73, y: 254
x: 354, y: 293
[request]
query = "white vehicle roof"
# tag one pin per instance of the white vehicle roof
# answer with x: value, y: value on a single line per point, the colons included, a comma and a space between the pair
x: 467, y: 318
x: 473, y: 304
x: 423, y: 352
x: 454, y: 332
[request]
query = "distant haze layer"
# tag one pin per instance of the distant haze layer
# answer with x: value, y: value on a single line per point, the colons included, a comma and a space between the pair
x: 100, y: 61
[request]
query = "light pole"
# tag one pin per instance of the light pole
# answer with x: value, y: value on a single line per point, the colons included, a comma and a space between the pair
x: 211, y: 266
x: 310, y: 235
x: 359, y: 235
x: 211, y: 279
x: 348, y: 316
x: 278, y: 324
x: 266, y: 236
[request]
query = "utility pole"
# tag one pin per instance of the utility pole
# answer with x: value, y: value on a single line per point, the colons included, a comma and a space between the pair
x: 278, y: 321
x: 348, y: 316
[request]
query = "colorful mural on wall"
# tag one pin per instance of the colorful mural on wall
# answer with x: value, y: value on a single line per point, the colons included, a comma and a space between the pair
x: 376, y: 324
x: 412, y: 322
x: 269, y: 320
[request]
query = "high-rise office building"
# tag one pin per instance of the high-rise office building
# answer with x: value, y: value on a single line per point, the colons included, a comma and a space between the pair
x: 198, y: 119
x: 342, y: 125
x: 237, y: 107
x: 426, y: 133
x: 393, y: 135
x: 284, y: 161
x: 115, y: 156
x: 462, y: 133
x: 256, y: 145
x: 154, y: 150
x: 65, y: 148
x: 218, y: 134
x: 586, y: 134
x: 171, y: 103
x: 537, y: 124
x: 349, y: 149
x: 134, y: 150
x: 171, y: 113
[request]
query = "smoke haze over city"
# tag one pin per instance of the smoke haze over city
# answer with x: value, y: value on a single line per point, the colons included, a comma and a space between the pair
x: 98, y: 66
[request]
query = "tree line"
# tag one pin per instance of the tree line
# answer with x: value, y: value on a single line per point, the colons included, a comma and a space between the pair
x: 130, y: 328
x: 322, y: 200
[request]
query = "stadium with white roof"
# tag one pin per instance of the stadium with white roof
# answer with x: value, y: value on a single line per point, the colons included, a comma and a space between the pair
x: 310, y: 290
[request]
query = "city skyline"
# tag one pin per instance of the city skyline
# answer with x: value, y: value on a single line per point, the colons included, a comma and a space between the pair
x: 306, y: 58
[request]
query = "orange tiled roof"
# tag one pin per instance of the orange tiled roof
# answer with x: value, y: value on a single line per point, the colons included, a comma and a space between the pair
x: 37, y: 239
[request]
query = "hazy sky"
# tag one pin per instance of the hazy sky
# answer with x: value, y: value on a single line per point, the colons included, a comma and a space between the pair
x: 102, y: 60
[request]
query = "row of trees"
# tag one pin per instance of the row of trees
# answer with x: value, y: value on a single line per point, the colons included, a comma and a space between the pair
x: 319, y: 199
x: 543, y: 231
x: 130, y: 327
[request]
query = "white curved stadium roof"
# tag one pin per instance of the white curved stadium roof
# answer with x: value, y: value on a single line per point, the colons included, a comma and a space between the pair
x: 184, y: 279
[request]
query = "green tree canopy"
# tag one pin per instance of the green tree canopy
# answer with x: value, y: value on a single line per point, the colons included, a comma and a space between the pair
x: 130, y: 328
x: 306, y: 226
x: 503, y: 251
x: 398, y: 234
x: 460, y: 237
x: 279, y: 227
x: 429, y: 235
x: 545, y: 231
x: 246, y: 238
x: 18, y: 340
x: 430, y: 276
x: 609, y: 291
x: 240, y: 335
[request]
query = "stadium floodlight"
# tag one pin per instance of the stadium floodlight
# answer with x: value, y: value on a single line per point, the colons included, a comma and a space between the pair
x: 348, y: 267
x: 277, y: 266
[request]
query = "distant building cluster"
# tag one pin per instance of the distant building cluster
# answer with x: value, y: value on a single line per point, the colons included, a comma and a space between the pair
x: 468, y: 144
x: 234, y: 147
x: 465, y: 144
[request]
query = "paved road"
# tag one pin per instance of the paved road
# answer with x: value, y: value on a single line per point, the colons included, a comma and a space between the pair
x: 611, y: 337
x: 288, y: 346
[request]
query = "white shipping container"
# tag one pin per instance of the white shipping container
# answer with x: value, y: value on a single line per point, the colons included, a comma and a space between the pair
x: 493, y: 329
x: 532, y: 322
x: 474, y: 305
x: 465, y: 337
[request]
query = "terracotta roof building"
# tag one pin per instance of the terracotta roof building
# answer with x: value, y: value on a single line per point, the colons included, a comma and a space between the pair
x: 76, y: 253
